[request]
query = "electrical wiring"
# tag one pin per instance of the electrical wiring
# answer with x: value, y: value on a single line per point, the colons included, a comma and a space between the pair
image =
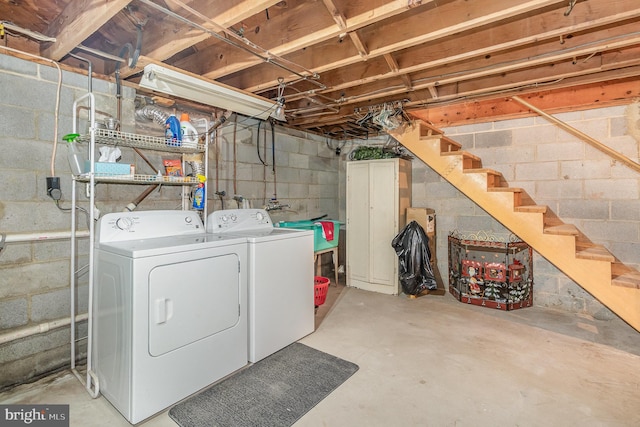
x: 236, y: 41
x: 80, y: 208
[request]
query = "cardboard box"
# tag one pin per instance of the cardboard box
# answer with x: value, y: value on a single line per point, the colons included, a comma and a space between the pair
x: 173, y: 167
x: 426, y: 217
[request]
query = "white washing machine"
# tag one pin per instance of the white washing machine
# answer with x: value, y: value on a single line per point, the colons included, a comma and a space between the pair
x: 281, y: 285
x: 170, y: 309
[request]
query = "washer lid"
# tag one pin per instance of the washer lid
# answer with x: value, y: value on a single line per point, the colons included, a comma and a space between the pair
x: 170, y: 245
x: 275, y: 233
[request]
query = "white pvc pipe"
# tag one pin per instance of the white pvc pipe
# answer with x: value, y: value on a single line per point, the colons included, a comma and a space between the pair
x: 46, y: 235
x: 39, y: 329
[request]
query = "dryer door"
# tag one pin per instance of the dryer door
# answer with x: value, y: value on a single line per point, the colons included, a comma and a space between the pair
x: 191, y: 300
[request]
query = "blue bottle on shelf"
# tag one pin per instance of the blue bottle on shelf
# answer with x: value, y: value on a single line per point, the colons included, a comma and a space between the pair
x: 173, y: 134
x: 198, y: 197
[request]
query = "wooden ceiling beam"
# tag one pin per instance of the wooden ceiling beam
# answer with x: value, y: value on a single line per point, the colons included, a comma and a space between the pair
x: 483, y: 61
x: 445, y: 20
x: 562, y: 75
x: 391, y: 61
x: 617, y: 92
x: 395, y: 68
x: 509, y: 62
x: 341, y: 22
x: 223, y: 14
x: 540, y: 30
x: 335, y: 13
x: 76, y: 23
x: 302, y: 31
x: 457, y: 93
x: 359, y: 44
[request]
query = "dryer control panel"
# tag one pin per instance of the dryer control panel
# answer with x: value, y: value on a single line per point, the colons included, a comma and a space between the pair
x: 234, y: 220
x: 123, y: 226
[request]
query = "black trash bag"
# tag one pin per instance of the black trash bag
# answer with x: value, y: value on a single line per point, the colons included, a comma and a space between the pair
x: 412, y: 247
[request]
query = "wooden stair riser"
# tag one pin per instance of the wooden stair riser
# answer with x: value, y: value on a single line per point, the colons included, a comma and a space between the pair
x: 512, y: 199
x: 447, y: 145
x: 492, y: 178
x: 532, y: 219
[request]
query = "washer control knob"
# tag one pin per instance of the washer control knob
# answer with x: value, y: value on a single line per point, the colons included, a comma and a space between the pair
x: 224, y: 218
x: 259, y: 216
x: 188, y: 219
x: 234, y: 217
x: 124, y: 223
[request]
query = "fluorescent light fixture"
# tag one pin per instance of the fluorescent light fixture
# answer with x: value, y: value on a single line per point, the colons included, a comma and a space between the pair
x: 192, y: 87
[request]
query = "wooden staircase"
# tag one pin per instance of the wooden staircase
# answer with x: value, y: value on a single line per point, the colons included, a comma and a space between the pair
x: 590, y: 265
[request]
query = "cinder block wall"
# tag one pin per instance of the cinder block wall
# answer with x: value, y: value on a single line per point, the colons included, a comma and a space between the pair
x: 305, y: 178
x: 580, y: 184
x: 35, y: 276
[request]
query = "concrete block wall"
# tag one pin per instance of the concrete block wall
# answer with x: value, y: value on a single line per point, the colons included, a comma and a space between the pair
x: 35, y: 276
x: 580, y: 184
x: 306, y: 174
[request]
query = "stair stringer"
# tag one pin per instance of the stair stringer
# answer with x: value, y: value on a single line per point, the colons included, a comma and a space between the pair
x: 594, y: 276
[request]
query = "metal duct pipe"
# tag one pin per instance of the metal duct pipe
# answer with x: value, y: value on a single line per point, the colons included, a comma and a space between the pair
x: 152, y: 113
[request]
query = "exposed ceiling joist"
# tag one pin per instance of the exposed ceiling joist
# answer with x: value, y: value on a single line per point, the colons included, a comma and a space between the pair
x: 78, y: 21
x: 336, y: 56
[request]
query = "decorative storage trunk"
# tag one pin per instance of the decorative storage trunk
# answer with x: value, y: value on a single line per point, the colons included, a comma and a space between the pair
x: 490, y: 273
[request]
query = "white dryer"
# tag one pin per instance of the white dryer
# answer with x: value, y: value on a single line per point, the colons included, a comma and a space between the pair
x: 281, y: 280
x: 170, y: 309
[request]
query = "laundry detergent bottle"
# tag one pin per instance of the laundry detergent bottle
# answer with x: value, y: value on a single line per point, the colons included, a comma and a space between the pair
x: 189, y: 132
x: 198, y: 197
x: 173, y: 134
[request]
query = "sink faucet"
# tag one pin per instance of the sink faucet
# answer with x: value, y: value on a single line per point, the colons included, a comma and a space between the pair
x: 274, y: 205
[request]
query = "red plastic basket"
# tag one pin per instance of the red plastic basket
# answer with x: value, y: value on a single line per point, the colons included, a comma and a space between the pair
x: 321, y: 288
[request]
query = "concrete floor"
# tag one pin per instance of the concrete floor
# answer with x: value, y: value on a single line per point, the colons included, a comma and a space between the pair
x: 433, y: 361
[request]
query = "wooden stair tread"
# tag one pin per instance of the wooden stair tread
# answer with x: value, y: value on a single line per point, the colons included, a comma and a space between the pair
x: 483, y: 170
x: 564, y: 229
x: 628, y: 280
x: 448, y: 145
x: 597, y: 252
x: 427, y: 130
x: 505, y: 189
x: 532, y: 208
x: 460, y: 153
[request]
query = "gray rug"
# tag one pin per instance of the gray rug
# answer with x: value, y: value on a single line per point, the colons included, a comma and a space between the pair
x: 276, y: 391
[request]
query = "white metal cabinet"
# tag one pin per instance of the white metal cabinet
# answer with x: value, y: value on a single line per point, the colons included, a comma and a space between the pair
x: 378, y: 195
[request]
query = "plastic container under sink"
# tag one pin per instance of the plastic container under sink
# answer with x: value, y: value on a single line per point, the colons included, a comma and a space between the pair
x: 319, y: 242
x: 321, y: 286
